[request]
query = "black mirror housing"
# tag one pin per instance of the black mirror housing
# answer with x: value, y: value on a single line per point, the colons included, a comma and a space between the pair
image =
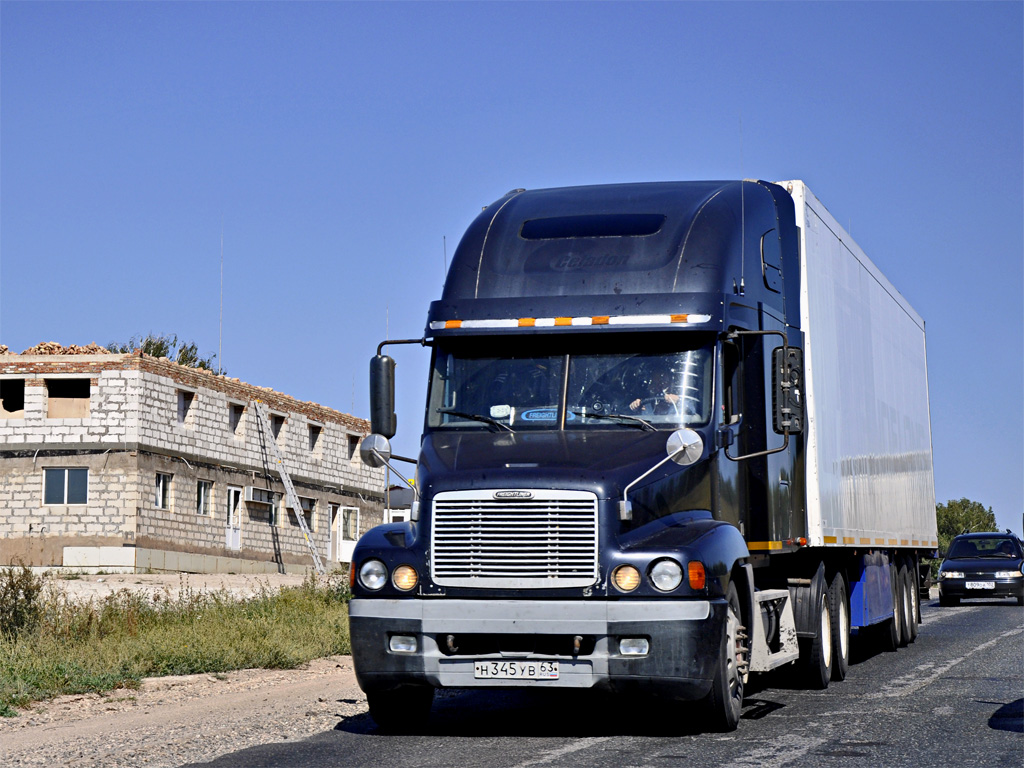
x: 383, y: 420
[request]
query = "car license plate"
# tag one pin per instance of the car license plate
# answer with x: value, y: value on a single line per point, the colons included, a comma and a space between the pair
x: 515, y: 670
x: 980, y: 585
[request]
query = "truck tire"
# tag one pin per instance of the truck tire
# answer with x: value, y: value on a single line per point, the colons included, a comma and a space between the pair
x: 401, y: 709
x: 914, y: 616
x: 906, y: 610
x: 892, y: 634
x: 839, y: 608
x: 816, y: 652
x: 724, y: 701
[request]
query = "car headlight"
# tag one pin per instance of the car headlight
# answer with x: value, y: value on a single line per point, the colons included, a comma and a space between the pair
x: 373, y: 574
x: 951, y: 574
x: 666, y: 575
x: 1009, y: 574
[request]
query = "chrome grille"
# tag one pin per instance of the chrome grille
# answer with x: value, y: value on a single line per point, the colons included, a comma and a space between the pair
x: 546, y: 540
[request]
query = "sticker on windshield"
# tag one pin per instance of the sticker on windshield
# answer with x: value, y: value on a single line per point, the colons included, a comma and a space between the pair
x: 501, y: 411
x: 544, y: 414
x: 539, y: 414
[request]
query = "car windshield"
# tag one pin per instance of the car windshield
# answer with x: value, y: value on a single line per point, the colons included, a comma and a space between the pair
x: 539, y: 383
x: 983, y: 547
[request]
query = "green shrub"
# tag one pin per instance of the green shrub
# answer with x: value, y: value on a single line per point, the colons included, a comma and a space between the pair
x: 20, y: 591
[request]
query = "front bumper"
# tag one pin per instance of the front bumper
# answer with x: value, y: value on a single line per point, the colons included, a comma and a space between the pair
x: 684, y: 637
x: 1000, y: 588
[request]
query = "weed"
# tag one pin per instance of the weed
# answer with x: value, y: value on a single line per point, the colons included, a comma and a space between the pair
x: 103, y: 645
x: 19, y: 599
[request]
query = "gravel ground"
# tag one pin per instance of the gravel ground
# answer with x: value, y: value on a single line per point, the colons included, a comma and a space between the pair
x: 170, y: 721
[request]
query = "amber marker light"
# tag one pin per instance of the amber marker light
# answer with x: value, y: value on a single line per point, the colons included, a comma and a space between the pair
x: 626, y: 578
x: 404, y: 577
x: 695, y: 574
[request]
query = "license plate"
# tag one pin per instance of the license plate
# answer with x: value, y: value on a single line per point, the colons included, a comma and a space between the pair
x: 980, y: 585
x: 515, y: 670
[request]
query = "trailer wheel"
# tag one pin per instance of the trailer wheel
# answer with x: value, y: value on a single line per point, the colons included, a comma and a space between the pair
x: 839, y: 607
x: 913, y: 604
x: 816, y: 653
x: 401, y: 709
x: 906, y: 611
x: 892, y: 636
x: 725, y: 699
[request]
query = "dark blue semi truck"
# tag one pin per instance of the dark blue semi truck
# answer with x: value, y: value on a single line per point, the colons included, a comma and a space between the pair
x: 675, y: 434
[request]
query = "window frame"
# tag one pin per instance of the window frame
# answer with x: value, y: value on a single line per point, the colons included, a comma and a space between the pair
x: 65, y: 486
x: 162, y: 491
x: 204, y: 498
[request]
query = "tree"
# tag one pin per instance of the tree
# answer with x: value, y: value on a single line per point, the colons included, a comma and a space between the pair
x: 962, y: 516
x: 164, y: 345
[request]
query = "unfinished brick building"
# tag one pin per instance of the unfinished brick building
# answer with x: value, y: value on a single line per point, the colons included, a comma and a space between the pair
x: 124, y: 462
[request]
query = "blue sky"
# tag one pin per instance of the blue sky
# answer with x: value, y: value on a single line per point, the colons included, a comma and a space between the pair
x: 337, y: 145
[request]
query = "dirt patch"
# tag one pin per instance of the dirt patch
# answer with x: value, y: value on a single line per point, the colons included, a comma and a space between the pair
x: 170, y: 721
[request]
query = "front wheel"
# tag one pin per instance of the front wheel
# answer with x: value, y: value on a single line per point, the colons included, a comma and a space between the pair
x: 401, y: 709
x: 725, y: 700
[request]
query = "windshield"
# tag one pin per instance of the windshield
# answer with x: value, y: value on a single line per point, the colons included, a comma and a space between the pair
x: 538, y: 383
x: 987, y: 547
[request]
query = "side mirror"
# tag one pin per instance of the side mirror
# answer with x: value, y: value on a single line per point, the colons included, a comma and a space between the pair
x: 684, y: 447
x: 383, y: 420
x: 375, y: 450
x: 787, y: 390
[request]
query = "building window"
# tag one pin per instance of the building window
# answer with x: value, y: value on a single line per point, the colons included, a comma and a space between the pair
x: 275, y: 509
x: 276, y: 425
x: 353, y: 445
x: 163, y: 491
x: 204, y: 497
x: 308, y: 508
x: 67, y: 398
x: 185, y: 401
x: 314, y: 436
x: 65, y: 486
x: 235, y: 414
x: 12, y: 398
x: 350, y: 523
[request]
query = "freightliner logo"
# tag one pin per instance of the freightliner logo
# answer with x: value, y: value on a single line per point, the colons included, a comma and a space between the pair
x: 513, y: 494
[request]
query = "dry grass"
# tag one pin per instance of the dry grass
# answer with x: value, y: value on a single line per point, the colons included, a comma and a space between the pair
x: 63, y: 646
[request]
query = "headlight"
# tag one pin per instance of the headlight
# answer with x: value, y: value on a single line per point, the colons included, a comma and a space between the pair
x: 666, y: 575
x: 626, y: 578
x: 373, y: 574
x: 951, y: 574
x: 1009, y: 574
x: 404, y: 577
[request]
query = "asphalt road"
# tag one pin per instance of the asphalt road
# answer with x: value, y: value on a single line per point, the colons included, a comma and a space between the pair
x: 953, y: 698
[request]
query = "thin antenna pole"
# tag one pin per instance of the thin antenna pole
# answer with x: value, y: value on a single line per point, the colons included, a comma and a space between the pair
x: 743, y: 217
x: 220, y: 330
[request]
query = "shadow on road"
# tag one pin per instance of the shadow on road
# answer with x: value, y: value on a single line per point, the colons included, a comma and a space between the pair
x: 1009, y: 717
x: 549, y: 714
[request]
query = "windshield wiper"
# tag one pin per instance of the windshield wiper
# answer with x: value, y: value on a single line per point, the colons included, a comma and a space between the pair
x: 475, y: 417
x: 634, y: 419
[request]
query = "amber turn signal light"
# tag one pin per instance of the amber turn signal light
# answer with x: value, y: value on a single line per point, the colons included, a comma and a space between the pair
x: 695, y: 574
